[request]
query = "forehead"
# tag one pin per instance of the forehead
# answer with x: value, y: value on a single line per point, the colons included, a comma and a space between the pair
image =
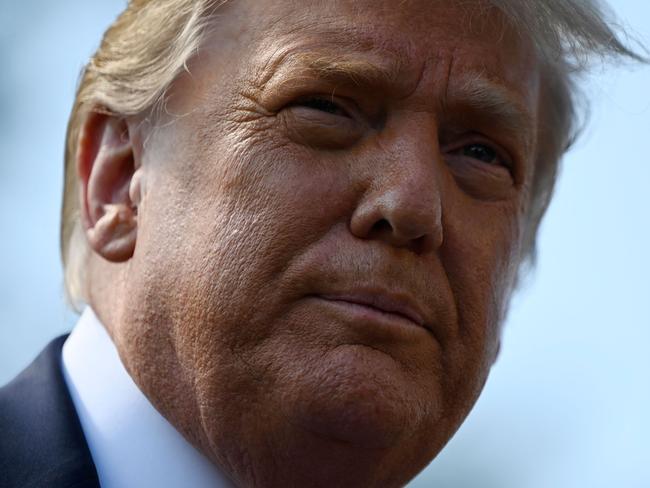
x: 407, y: 40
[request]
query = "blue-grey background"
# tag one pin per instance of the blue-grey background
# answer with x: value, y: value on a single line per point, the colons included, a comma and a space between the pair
x: 568, y: 403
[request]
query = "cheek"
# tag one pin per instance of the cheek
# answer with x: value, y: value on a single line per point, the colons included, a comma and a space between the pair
x: 479, y: 251
x: 228, y: 222
x: 481, y: 243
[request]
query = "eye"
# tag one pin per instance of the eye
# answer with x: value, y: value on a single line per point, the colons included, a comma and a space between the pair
x: 322, y: 104
x: 483, y: 153
x: 482, y: 169
x: 322, y: 122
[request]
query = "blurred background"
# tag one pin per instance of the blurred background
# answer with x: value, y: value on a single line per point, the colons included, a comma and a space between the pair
x: 568, y: 403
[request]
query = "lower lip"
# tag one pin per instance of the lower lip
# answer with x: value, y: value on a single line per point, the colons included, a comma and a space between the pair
x: 366, y: 316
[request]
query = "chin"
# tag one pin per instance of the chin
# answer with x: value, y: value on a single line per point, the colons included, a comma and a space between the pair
x: 350, y: 417
x: 361, y: 397
x: 359, y: 432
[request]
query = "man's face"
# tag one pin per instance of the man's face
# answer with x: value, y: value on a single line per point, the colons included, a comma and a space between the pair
x: 330, y: 226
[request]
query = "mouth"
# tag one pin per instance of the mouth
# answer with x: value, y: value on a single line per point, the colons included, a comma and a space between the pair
x: 388, y: 306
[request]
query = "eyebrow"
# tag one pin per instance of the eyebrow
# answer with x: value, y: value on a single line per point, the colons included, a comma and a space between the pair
x: 477, y: 94
x: 493, y: 101
x: 357, y: 71
x: 339, y: 69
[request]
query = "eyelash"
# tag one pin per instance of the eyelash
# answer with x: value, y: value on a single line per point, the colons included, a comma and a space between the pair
x: 322, y: 104
x: 498, y: 154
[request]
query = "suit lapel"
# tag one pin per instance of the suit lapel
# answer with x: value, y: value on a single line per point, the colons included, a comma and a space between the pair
x: 41, y: 440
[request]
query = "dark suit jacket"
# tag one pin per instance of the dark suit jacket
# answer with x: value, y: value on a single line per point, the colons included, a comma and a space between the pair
x: 42, y: 444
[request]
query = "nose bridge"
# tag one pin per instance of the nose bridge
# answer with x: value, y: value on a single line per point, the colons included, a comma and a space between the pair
x: 412, y: 175
x: 403, y: 203
x: 412, y: 153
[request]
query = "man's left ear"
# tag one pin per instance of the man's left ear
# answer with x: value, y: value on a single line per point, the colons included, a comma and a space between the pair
x: 110, y: 186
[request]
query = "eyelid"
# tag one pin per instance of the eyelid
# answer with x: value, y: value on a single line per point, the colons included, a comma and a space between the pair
x: 331, y: 99
x: 321, y: 129
x: 475, y: 138
x: 347, y: 106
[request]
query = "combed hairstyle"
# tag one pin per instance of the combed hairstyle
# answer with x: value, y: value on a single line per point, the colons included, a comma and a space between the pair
x: 150, y: 43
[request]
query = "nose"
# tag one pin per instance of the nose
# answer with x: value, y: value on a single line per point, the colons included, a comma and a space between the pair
x: 402, y: 203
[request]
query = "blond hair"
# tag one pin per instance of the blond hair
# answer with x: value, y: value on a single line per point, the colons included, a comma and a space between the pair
x: 150, y: 43
x: 141, y: 54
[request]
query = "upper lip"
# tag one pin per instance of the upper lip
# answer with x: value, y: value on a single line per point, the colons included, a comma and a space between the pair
x: 395, y: 303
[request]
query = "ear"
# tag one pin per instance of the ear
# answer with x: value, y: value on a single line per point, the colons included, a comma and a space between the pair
x: 109, y: 185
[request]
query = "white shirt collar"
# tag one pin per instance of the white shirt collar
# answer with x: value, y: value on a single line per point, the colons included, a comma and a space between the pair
x: 131, y: 444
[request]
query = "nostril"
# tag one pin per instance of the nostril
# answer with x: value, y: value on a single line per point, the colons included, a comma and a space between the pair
x: 381, y: 227
x: 418, y: 242
x: 398, y: 221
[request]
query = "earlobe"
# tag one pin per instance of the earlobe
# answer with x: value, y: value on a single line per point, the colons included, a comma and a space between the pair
x: 114, y: 234
x: 109, y: 184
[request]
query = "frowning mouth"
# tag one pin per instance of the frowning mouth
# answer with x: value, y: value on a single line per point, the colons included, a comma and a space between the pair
x: 390, y: 306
